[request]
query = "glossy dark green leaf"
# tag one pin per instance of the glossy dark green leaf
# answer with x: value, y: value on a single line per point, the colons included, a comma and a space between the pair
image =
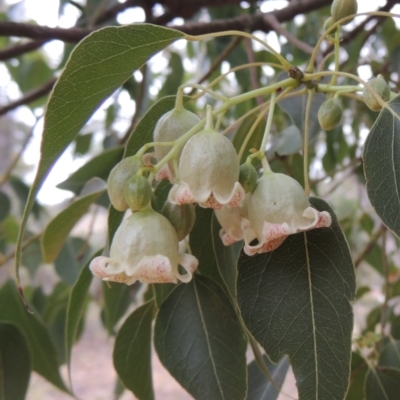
x: 43, y: 352
x: 99, y: 166
x: 161, y: 194
x: 199, y: 339
x: 382, y: 165
x: 76, y: 307
x: 57, y: 231
x: 359, y: 369
x: 15, y: 363
x: 259, y: 387
x: 161, y: 291
x: 72, y: 256
x: 116, y: 302
x: 296, y: 300
x: 389, y: 356
x: 226, y: 258
x: 100, y: 63
x: 132, y: 352
x: 5, y: 205
x: 201, y: 244
x: 115, y: 218
x: 382, y: 383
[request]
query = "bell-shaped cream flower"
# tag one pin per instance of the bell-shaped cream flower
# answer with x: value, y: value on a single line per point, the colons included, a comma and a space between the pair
x: 208, y: 172
x: 278, y: 207
x: 230, y: 220
x: 145, y: 248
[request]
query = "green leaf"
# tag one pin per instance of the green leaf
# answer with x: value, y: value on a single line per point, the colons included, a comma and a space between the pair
x: 114, y: 220
x: 22, y: 191
x: 382, y: 384
x: 226, y: 257
x: 57, y: 231
x: 259, y: 387
x: 76, y: 307
x: 42, y: 349
x: 116, y: 302
x: 133, y: 343
x: 201, y: 244
x: 100, y: 63
x: 382, y: 165
x: 15, y: 363
x: 359, y: 369
x: 199, y: 339
x: 296, y: 301
x: 390, y: 355
x: 72, y: 256
x: 99, y: 166
x: 161, y: 291
x: 82, y: 144
x: 175, y: 77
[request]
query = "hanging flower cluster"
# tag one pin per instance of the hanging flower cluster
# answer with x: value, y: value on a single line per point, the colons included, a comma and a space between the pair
x: 204, y: 170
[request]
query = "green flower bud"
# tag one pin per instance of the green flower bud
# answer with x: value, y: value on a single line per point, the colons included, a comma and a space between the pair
x: 248, y: 177
x: 116, y: 180
x: 328, y: 23
x: 137, y: 191
x: 182, y: 217
x: 170, y: 127
x: 381, y: 87
x: 343, y: 8
x: 330, y: 114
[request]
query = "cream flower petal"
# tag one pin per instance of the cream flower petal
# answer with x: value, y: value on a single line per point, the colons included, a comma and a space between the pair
x: 106, y: 269
x: 155, y: 269
x: 189, y: 263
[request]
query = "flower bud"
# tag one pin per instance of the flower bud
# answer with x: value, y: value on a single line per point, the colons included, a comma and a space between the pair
x: 171, y: 126
x: 137, y: 191
x: 182, y: 217
x: 116, y: 180
x: 327, y: 24
x: 330, y: 114
x: 248, y: 177
x: 381, y: 87
x: 343, y: 8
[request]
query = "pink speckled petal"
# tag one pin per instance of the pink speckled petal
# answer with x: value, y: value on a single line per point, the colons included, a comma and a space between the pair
x: 106, y: 269
x: 320, y: 219
x: 211, y: 202
x: 229, y: 237
x: 190, y: 264
x: 180, y: 193
x: 273, y: 236
x: 154, y: 269
x: 164, y: 173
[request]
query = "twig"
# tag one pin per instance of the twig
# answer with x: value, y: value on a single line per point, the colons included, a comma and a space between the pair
x: 9, y: 170
x: 228, y: 49
x: 278, y: 28
x: 27, y: 242
x: 29, y: 97
x: 370, y: 245
x: 20, y: 48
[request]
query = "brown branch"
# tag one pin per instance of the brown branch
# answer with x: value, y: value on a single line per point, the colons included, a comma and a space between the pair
x: 244, y: 22
x: 29, y: 97
x: 20, y: 48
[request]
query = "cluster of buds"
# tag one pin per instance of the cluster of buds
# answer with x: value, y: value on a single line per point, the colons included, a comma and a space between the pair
x: 206, y: 171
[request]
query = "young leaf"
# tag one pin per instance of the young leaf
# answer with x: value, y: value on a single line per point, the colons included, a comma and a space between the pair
x: 99, y: 64
x: 15, y: 363
x: 382, y: 165
x: 75, y: 308
x: 259, y: 387
x: 116, y: 302
x: 99, y: 166
x: 199, y: 339
x: 296, y: 301
x: 43, y: 352
x: 59, y: 227
x: 382, y: 384
x: 132, y: 352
